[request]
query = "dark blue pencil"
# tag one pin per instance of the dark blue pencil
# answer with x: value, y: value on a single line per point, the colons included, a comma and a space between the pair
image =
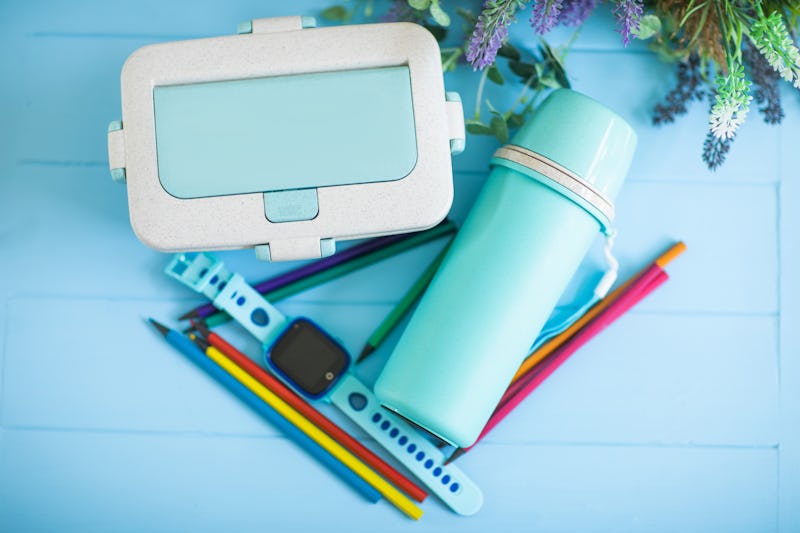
x: 193, y: 353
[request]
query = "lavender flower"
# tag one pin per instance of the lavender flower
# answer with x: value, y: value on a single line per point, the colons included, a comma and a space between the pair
x: 629, y: 14
x: 575, y: 12
x: 545, y: 15
x: 689, y: 87
x: 490, y: 31
x: 715, y: 150
x: 399, y: 11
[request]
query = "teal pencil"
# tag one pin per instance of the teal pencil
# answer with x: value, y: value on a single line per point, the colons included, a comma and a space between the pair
x: 403, y: 307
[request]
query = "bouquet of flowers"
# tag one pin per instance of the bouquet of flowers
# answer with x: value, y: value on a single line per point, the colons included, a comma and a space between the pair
x: 733, y: 52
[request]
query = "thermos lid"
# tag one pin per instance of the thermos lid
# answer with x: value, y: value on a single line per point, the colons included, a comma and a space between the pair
x: 576, y: 146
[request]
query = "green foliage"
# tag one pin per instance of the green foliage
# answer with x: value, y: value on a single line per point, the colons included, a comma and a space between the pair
x: 649, y: 26
x: 715, y: 31
x: 337, y: 13
x: 538, y: 73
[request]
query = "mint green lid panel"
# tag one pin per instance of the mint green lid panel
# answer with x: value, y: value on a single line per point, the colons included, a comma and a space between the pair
x: 582, y: 135
x: 285, y: 132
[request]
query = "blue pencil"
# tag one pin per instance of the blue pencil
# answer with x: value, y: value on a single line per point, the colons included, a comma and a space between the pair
x: 193, y: 353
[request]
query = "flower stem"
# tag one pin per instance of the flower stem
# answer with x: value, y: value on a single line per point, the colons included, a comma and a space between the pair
x: 479, y: 97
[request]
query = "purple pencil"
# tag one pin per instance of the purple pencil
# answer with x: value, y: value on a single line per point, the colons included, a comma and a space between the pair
x: 305, y: 271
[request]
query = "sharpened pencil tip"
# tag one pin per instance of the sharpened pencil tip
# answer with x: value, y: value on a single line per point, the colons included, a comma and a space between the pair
x: 368, y: 349
x: 200, y: 327
x: 190, y: 315
x: 455, y: 455
x: 159, y: 326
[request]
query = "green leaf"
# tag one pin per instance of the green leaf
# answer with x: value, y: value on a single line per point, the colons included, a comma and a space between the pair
x: 499, y: 128
x: 467, y: 15
x: 420, y: 5
x: 338, y: 13
x: 438, y: 32
x: 494, y: 75
x: 509, y: 52
x: 450, y: 59
x: 554, y: 62
x: 550, y: 82
x: 523, y: 70
x: 649, y: 25
x: 439, y: 14
x: 516, y: 120
x: 478, y: 128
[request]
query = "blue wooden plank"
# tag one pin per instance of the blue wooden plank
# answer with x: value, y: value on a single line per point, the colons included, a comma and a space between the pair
x: 658, y: 378
x: 100, y: 482
x: 731, y: 262
x: 789, y: 320
x: 678, y: 380
x: 57, y: 206
x: 672, y: 152
x: 97, y: 482
x: 101, y: 367
x: 50, y: 213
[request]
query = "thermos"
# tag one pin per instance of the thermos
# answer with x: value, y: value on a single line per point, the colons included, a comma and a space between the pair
x: 550, y: 191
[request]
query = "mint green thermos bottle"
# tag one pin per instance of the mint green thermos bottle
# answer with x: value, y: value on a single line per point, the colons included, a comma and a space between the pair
x: 550, y: 192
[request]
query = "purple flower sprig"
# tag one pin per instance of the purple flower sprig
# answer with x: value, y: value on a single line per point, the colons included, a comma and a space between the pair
x: 544, y: 15
x: 490, y: 31
x: 575, y: 12
x: 629, y: 15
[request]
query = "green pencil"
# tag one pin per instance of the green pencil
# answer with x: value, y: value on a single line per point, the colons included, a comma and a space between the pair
x: 337, y: 271
x: 403, y: 307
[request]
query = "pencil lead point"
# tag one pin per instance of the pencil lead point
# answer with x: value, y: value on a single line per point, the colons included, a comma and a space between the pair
x: 189, y: 315
x: 200, y: 327
x: 368, y: 349
x: 200, y: 342
x: 159, y: 326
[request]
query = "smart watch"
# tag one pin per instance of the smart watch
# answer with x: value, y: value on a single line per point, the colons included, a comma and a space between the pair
x: 317, y: 366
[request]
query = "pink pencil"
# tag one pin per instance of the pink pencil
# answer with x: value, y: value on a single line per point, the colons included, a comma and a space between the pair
x: 641, y: 287
x: 651, y: 279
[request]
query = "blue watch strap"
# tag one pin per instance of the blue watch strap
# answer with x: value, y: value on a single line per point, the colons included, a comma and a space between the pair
x: 408, y: 446
x: 229, y: 292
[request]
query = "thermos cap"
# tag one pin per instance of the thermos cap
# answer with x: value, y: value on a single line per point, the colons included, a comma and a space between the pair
x: 576, y: 146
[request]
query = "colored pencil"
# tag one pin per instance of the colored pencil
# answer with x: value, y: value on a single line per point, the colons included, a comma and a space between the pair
x: 553, y: 344
x: 403, y: 307
x: 304, y: 271
x: 633, y: 293
x: 305, y: 409
x: 387, y: 490
x: 324, y: 276
x: 324, y: 456
x: 520, y: 390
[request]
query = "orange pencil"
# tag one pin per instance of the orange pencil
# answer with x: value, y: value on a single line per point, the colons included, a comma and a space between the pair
x: 556, y: 342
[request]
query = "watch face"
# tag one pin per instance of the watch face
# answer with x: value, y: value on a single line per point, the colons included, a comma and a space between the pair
x: 309, y: 358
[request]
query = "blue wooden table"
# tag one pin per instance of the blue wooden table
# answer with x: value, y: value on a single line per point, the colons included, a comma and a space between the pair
x: 684, y: 415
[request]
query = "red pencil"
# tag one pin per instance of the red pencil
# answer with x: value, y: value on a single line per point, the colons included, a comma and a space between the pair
x: 651, y: 279
x: 320, y: 420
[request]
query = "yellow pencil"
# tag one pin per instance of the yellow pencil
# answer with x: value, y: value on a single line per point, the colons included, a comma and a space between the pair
x: 554, y: 343
x: 386, y: 489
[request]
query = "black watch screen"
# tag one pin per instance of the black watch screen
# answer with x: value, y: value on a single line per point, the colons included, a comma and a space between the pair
x: 309, y: 358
